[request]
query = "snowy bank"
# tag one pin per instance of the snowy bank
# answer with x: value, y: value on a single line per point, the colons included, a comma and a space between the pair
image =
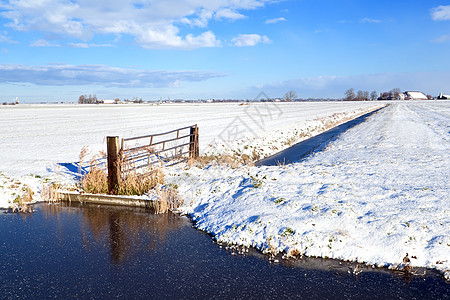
x: 376, y: 193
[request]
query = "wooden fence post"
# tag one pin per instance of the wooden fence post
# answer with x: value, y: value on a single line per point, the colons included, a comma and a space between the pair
x: 193, y: 146
x: 114, y: 172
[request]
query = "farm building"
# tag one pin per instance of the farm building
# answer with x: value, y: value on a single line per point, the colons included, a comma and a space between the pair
x: 441, y: 96
x: 415, y: 95
x: 108, y: 101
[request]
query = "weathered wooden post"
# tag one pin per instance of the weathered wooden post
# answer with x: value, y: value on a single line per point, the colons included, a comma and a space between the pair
x: 193, y: 146
x: 113, y: 151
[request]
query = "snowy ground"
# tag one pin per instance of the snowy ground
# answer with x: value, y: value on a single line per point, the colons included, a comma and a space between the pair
x: 35, y: 138
x: 376, y: 193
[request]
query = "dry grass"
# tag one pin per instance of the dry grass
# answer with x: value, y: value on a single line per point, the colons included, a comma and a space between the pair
x: 233, y: 161
x: 22, y: 203
x: 50, y: 192
x: 131, y: 182
x: 95, y: 181
x: 168, y: 201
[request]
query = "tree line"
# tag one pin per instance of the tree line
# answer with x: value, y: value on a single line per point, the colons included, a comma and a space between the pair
x: 85, y: 99
x: 92, y: 99
x: 360, y: 95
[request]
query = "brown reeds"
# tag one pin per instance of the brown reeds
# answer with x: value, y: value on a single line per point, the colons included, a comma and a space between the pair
x: 50, y: 192
x: 131, y: 182
x: 168, y: 201
x: 233, y: 161
x: 21, y: 204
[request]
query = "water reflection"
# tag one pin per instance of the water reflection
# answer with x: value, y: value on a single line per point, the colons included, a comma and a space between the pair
x: 125, y: 231
x: 72, y: 251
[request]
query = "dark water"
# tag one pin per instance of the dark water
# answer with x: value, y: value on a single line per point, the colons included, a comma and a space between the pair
x: 91, y: 252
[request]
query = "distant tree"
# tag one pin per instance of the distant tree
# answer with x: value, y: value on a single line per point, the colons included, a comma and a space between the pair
x: 91, y: 99
x: 82, y: 99
x: 289, y: 96
x: 373, y: 95
x: 359, y: 95
x: 395, y: 93
x: 366, y: 95
x: 386, y: 95
x: 350, y: 94
x: 362, y: 95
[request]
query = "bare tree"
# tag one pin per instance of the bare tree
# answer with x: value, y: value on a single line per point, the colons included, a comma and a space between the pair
x: 373, y: 95
x: 362, y: 95
x: 350, y: 94
x: 395, y: 93
x: 291, y: 95
x: 366, y: 95
x: 359, y: 95
x: 82, y: 99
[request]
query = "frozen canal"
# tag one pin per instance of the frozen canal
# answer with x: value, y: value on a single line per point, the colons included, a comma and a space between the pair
x: 103, y: 253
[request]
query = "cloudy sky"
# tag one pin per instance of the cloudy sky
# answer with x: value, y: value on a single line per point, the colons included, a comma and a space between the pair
x: 56, y: 50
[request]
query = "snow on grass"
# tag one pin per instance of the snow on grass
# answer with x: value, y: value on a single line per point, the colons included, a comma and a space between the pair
x: 378, y: 192
x: 36, y: 138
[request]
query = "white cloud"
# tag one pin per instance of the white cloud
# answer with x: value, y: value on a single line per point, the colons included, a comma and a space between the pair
x: 442, y: 39
x: 441, y: 13
x: 4, y: 38
x: 275, y: 20
x: 227, y: 13
x: 62, y: 74
x: 43, y: 43
x: 244, y: 40
x: 368, y: 20
x: 154, y: 24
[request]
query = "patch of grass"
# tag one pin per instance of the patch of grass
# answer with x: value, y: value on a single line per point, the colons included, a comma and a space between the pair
x: 234, y: 160
x: 280, y: 200
x: 130, y: 183
x: 168, y: 201
x: 256, y: 181
x: 21, y: 203
x: 287, y: 232
x: 50, y: 191
x: 138, y: 184
x: 95, y: 181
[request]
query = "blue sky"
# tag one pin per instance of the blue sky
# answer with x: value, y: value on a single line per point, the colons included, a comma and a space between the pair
x: 56, y: 50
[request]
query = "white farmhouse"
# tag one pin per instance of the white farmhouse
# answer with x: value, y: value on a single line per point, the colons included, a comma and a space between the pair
x: 415, y: 95
x: 108, y: 101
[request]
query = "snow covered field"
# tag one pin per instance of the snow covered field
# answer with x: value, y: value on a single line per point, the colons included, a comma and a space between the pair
x: 376, y: 193
x: 37, y: 137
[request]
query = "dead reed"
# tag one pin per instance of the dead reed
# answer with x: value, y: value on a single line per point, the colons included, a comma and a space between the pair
x: 133, y: 183
x: 168, y: 201
x: 233, y: 161
x: 21, y: 204
x: 50, y: 192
